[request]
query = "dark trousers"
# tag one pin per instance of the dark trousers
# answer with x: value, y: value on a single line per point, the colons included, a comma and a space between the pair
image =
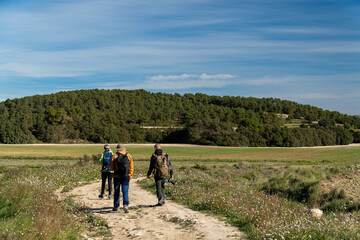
x: 109, y: 177
x: 125, y: 184
x: 160, y: 189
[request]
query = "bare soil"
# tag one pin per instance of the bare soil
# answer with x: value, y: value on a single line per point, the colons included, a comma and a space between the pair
x: 147, y: 221
x: 350, y: 183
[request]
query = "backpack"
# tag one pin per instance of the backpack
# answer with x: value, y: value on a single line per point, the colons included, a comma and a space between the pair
x: 106, y: 160
x: 161, y: 166
x: 123, y: 165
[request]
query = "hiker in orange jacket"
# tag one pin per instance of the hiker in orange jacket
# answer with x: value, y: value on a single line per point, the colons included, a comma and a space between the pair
x: 123, y: 167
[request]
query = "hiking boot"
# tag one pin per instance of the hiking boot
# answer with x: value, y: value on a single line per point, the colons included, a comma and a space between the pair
x: 126, y: 209
x: 101, y: 196
x: 109, y: 196
x: 115, y: 209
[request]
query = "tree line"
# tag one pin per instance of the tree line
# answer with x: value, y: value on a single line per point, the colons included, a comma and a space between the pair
x: 118, y: 116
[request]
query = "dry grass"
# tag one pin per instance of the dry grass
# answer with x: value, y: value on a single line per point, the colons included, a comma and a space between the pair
x: 262, y: 216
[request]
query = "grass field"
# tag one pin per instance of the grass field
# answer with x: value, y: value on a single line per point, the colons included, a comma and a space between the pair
x: 187, y: 152
x: 266, y: 192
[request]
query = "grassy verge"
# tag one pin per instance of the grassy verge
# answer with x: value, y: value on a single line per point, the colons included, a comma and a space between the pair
x: 29, y: 208
x: 226, y: 190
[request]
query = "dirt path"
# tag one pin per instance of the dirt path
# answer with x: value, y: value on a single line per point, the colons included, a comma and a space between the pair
x: 145, y: 221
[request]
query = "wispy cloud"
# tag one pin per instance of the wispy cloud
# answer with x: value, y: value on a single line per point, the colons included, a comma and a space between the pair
x: 191, y: 81
x: 32, y: 70
x: 310, y: 31
x: 240, y: 46
x: 182, y: 81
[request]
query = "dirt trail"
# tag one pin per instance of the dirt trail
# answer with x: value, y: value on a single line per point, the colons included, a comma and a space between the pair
x: 145, y: 221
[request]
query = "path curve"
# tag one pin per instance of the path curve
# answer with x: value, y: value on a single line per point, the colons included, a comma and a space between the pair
x: 145, y: 221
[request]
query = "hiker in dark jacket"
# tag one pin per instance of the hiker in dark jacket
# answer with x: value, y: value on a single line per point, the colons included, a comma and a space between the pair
x: 123, y: 167
x: 105, y: 170
x: 160, y: 166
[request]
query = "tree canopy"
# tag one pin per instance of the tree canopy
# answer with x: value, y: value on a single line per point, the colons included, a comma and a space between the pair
x: 120, y: 116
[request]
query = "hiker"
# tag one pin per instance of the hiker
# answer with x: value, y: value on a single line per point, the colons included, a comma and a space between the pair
x: 123, y: 167
x: 104, y: 160
x: 160, y: 166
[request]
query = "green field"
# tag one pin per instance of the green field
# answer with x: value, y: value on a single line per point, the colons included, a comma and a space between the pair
x: 266, y: 192
x: 186, y: 152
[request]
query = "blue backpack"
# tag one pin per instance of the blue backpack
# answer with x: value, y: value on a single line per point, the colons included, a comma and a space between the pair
x: 106, y: 161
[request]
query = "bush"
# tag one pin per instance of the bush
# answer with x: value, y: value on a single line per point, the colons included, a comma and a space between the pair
x: 294, y: 188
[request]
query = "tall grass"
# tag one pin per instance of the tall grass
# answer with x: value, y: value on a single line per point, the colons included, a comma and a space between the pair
x: 216, y: 190
x: 29, y: 208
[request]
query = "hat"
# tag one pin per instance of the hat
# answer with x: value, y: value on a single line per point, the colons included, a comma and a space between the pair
x: 120, y: 147
x: 106, y: 146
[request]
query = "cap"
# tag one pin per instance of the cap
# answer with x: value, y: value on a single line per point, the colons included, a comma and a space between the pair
x: 120, y: 147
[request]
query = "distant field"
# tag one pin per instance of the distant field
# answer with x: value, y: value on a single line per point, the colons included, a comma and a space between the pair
x: 63, y: 153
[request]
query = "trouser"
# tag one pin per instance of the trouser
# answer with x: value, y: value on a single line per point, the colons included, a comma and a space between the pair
x: 124, y: 182
x: 109, y: 177
x: 160, y: 189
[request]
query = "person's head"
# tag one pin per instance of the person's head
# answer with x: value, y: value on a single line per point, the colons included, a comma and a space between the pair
x: 157, y: 146
x: 107, y: 147
x: 120, y: 147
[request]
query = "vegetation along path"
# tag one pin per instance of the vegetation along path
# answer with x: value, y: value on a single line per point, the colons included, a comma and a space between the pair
x: 145, y: 221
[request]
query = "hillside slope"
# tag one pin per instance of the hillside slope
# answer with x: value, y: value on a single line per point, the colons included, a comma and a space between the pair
x: 119, y: 116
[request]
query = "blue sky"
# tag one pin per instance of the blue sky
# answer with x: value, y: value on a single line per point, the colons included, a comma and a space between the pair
x: 301, y: 50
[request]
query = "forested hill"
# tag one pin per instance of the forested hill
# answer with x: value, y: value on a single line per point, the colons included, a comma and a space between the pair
x: 130, y: 116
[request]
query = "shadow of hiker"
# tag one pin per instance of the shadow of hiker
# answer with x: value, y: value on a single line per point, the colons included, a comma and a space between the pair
x: 105, y: 210
x: 142, y: 206
x: 102, y: 210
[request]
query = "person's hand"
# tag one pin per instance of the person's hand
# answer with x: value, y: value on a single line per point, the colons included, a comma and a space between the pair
x: 172, y: 177
x: 148, y: 176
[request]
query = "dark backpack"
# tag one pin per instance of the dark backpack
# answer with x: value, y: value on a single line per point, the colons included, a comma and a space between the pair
x: 162, y: 167
x: 123, y: 165
x: 106, y: 160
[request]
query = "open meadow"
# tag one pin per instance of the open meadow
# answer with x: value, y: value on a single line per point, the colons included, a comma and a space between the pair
x: 265, y: 192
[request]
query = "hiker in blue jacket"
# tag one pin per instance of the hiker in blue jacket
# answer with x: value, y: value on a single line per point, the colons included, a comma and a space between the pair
x: 105, y: 170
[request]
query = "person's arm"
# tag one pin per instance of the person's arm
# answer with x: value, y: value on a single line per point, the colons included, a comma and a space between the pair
x: 171, y: 169
x: 131, y: 168
x: 151, y: 167
x: 101, y: 159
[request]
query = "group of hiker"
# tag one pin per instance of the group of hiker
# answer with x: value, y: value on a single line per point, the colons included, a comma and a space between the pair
x: 119, y: 166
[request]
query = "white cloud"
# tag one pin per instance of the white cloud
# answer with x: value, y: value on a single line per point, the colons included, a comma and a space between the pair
x: 181, y: 81
x: 189, y: 81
